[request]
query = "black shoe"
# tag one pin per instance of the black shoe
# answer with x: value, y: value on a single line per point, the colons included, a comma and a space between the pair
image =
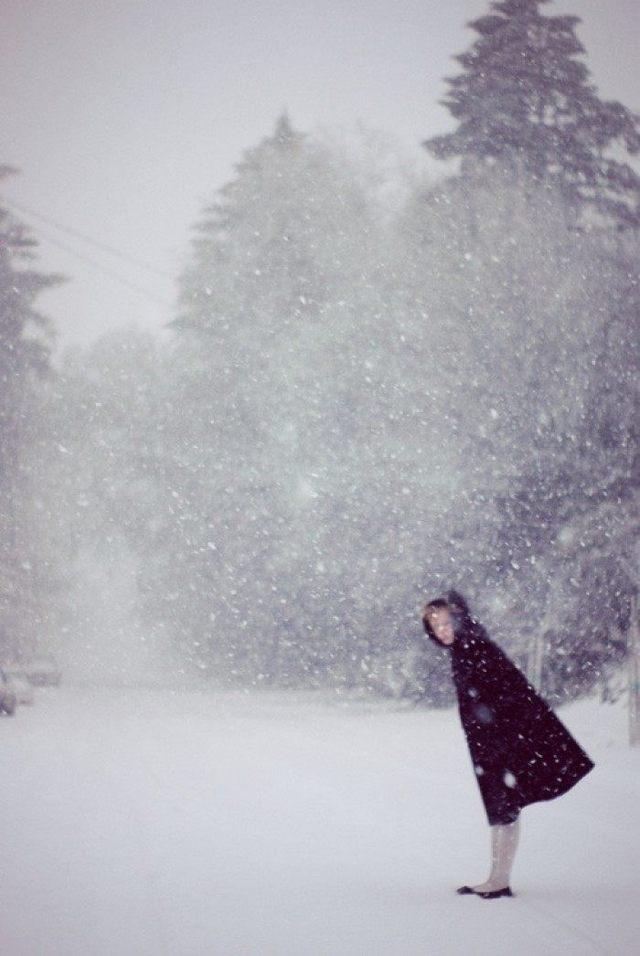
x: 488, y: 895
x: 496, y: 894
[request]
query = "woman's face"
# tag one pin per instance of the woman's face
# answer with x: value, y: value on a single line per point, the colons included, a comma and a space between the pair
x: 440, y: 620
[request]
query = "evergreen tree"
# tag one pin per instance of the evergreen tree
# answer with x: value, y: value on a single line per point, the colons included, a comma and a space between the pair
x: 569, y: 525
x: 524, y: 102
x: 24, y: 356
x: 533, y: 347
x: 302, y: 491
x: 263, y: 373
x: 554, y: 321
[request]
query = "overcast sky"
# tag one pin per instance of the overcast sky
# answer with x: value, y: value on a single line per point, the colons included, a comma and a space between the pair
x: 125, y: 116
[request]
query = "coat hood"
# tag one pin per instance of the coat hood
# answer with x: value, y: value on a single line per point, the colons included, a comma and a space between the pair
x: 455, y: 600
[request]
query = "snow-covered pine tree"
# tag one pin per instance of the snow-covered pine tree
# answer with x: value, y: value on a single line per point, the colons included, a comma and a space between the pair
x: 24, y: 356
x: 569, y: 524
x: 524, y: 103
x: 536, y: 143
x: 266, y: 413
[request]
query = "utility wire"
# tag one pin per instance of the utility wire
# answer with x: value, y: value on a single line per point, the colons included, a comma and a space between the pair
x: 116, y: 276
x: 109, y: 272
x: 103, y: 246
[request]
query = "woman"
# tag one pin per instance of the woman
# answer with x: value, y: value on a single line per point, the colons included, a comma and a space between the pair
x: 520, y: 751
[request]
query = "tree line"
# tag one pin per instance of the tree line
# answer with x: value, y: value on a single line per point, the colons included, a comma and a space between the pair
x: 357, y: 406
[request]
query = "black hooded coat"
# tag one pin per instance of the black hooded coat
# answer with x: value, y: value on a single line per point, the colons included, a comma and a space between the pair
x: 521, y: 752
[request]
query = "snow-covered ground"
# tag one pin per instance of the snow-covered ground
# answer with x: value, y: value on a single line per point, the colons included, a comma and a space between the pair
x: 141, y: 821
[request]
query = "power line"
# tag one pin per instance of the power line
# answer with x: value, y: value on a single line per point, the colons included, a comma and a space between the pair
x: 76, y: 234
x: 116, y: 276
x: 109, y: 272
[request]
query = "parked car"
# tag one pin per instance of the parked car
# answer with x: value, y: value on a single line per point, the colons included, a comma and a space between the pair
x: 43, y: 671
x: 7, y: 695
x: 20, y: 683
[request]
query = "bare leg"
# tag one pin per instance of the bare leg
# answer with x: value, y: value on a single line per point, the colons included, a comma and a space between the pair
x: 504, y: 843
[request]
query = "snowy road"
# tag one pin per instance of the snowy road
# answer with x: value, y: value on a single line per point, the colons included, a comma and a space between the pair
x: 143, y: 822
